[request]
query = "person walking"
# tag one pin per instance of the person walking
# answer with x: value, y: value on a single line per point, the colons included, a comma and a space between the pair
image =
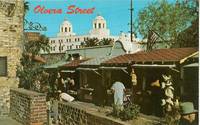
x: 156, y: 96
x: 118, y: 88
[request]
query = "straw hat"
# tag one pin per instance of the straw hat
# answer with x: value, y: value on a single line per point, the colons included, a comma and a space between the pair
x: 169, y: 92
x: 187, y: 108
x: 170, y: 87
x: 168, y: 83
x: 59, y: 91
x: 166, y: 78
x: 169, y: 101
x: 156, y: 83
x: 163, y: 102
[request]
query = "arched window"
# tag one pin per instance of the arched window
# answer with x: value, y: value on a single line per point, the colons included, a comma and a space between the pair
x: 99, y: 25
x: 65, y: 29
x: 69, y: 29
x: 103, y: 25
x: 95, y: 25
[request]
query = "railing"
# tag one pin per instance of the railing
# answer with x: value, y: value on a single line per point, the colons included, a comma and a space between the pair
x: 34, y: 26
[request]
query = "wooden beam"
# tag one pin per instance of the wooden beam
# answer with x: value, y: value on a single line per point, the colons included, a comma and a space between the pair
x: 184, y: 59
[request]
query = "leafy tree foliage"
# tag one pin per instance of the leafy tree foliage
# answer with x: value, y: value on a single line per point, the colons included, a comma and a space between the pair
x: 168, y: 19
x: 96, y: 42
x: 130, y: 111
x: 91, y: 42
x: 30, y: 73
x: 106, y: 41
x: 190, y: 36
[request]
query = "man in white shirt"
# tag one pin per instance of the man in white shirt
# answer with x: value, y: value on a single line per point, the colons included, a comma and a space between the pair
x: 118, y: 89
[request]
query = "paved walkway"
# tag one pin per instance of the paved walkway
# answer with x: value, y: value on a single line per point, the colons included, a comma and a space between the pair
x: 8, y: 121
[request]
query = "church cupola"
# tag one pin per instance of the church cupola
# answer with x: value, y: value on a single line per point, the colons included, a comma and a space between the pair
x: 99, y: 27
x: 66, y: 28
x: 99, y: 23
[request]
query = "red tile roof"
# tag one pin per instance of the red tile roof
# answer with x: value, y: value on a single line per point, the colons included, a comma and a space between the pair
x: 39, y: 59
x: 36, y: 58
x: 73, y: 63
x: 32, y: 36
x: 159, y: 55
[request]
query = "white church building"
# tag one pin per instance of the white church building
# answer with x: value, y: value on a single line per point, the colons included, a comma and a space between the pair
x: 66, y: 39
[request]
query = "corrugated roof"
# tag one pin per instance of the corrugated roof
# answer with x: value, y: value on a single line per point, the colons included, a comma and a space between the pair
x: 159, y: 55
x: 55, y: 65
x: 73, y: 63
x: 32, y: 36
x: 39, y: 59
x: 96, y: 61
x: 36, y: 58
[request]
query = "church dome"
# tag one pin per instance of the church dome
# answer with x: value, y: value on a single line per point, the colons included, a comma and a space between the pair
x: 66, y: 28
x: 99, y: 27
x: 99, y: 18
x: 66, y: 23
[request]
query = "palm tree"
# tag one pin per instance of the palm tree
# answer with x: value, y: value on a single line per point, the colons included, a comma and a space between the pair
x: 92, y: 42
x: 35, y: 46
x: 107, y: 41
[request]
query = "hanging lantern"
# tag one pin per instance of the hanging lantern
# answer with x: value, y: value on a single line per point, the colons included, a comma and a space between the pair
x: 133, y: 77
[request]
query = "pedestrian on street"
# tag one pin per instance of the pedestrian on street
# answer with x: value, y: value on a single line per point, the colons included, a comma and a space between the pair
x: 118, y: 89
x: 156, y: 96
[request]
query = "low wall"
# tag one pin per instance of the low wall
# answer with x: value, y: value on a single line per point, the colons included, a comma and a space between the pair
x: 28, y: 107
x: 4, y: 101
x: 80, y: 113
x: 75, y: 114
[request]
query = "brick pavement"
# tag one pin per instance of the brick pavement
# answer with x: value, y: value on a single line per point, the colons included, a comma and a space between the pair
x: 8, y: 121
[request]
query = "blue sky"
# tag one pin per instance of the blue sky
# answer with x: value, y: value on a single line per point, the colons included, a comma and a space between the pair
x: 116, y: 13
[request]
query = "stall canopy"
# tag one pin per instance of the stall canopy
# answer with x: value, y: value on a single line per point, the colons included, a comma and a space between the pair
x: 73, y: 64
x: 55, y: 65
x: 158, y: 56
x: 95, y: 62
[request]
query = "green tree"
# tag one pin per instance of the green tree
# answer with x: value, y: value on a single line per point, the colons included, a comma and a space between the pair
x: 167, y: 19
x: 96, y: 42
x: 30, y: 73
x: 106, y: 41
x: 92, y: 42
x: 190, y: 36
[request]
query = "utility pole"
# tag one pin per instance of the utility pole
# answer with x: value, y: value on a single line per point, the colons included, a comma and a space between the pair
x: 131, y: 12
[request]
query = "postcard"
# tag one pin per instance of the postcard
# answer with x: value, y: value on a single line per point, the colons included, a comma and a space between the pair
x: 99, y: 62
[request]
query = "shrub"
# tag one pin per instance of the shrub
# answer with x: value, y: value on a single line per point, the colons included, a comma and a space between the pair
x: 130, y: 111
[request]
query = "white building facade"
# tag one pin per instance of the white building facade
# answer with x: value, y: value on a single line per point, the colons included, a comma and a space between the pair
x: 66, y: 39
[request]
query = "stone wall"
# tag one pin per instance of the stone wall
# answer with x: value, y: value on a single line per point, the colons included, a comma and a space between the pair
x: 80, y: 113
x: 74, y: 114
x: 11, y: 34
x: 4, y: 101
x: 28, y: 107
